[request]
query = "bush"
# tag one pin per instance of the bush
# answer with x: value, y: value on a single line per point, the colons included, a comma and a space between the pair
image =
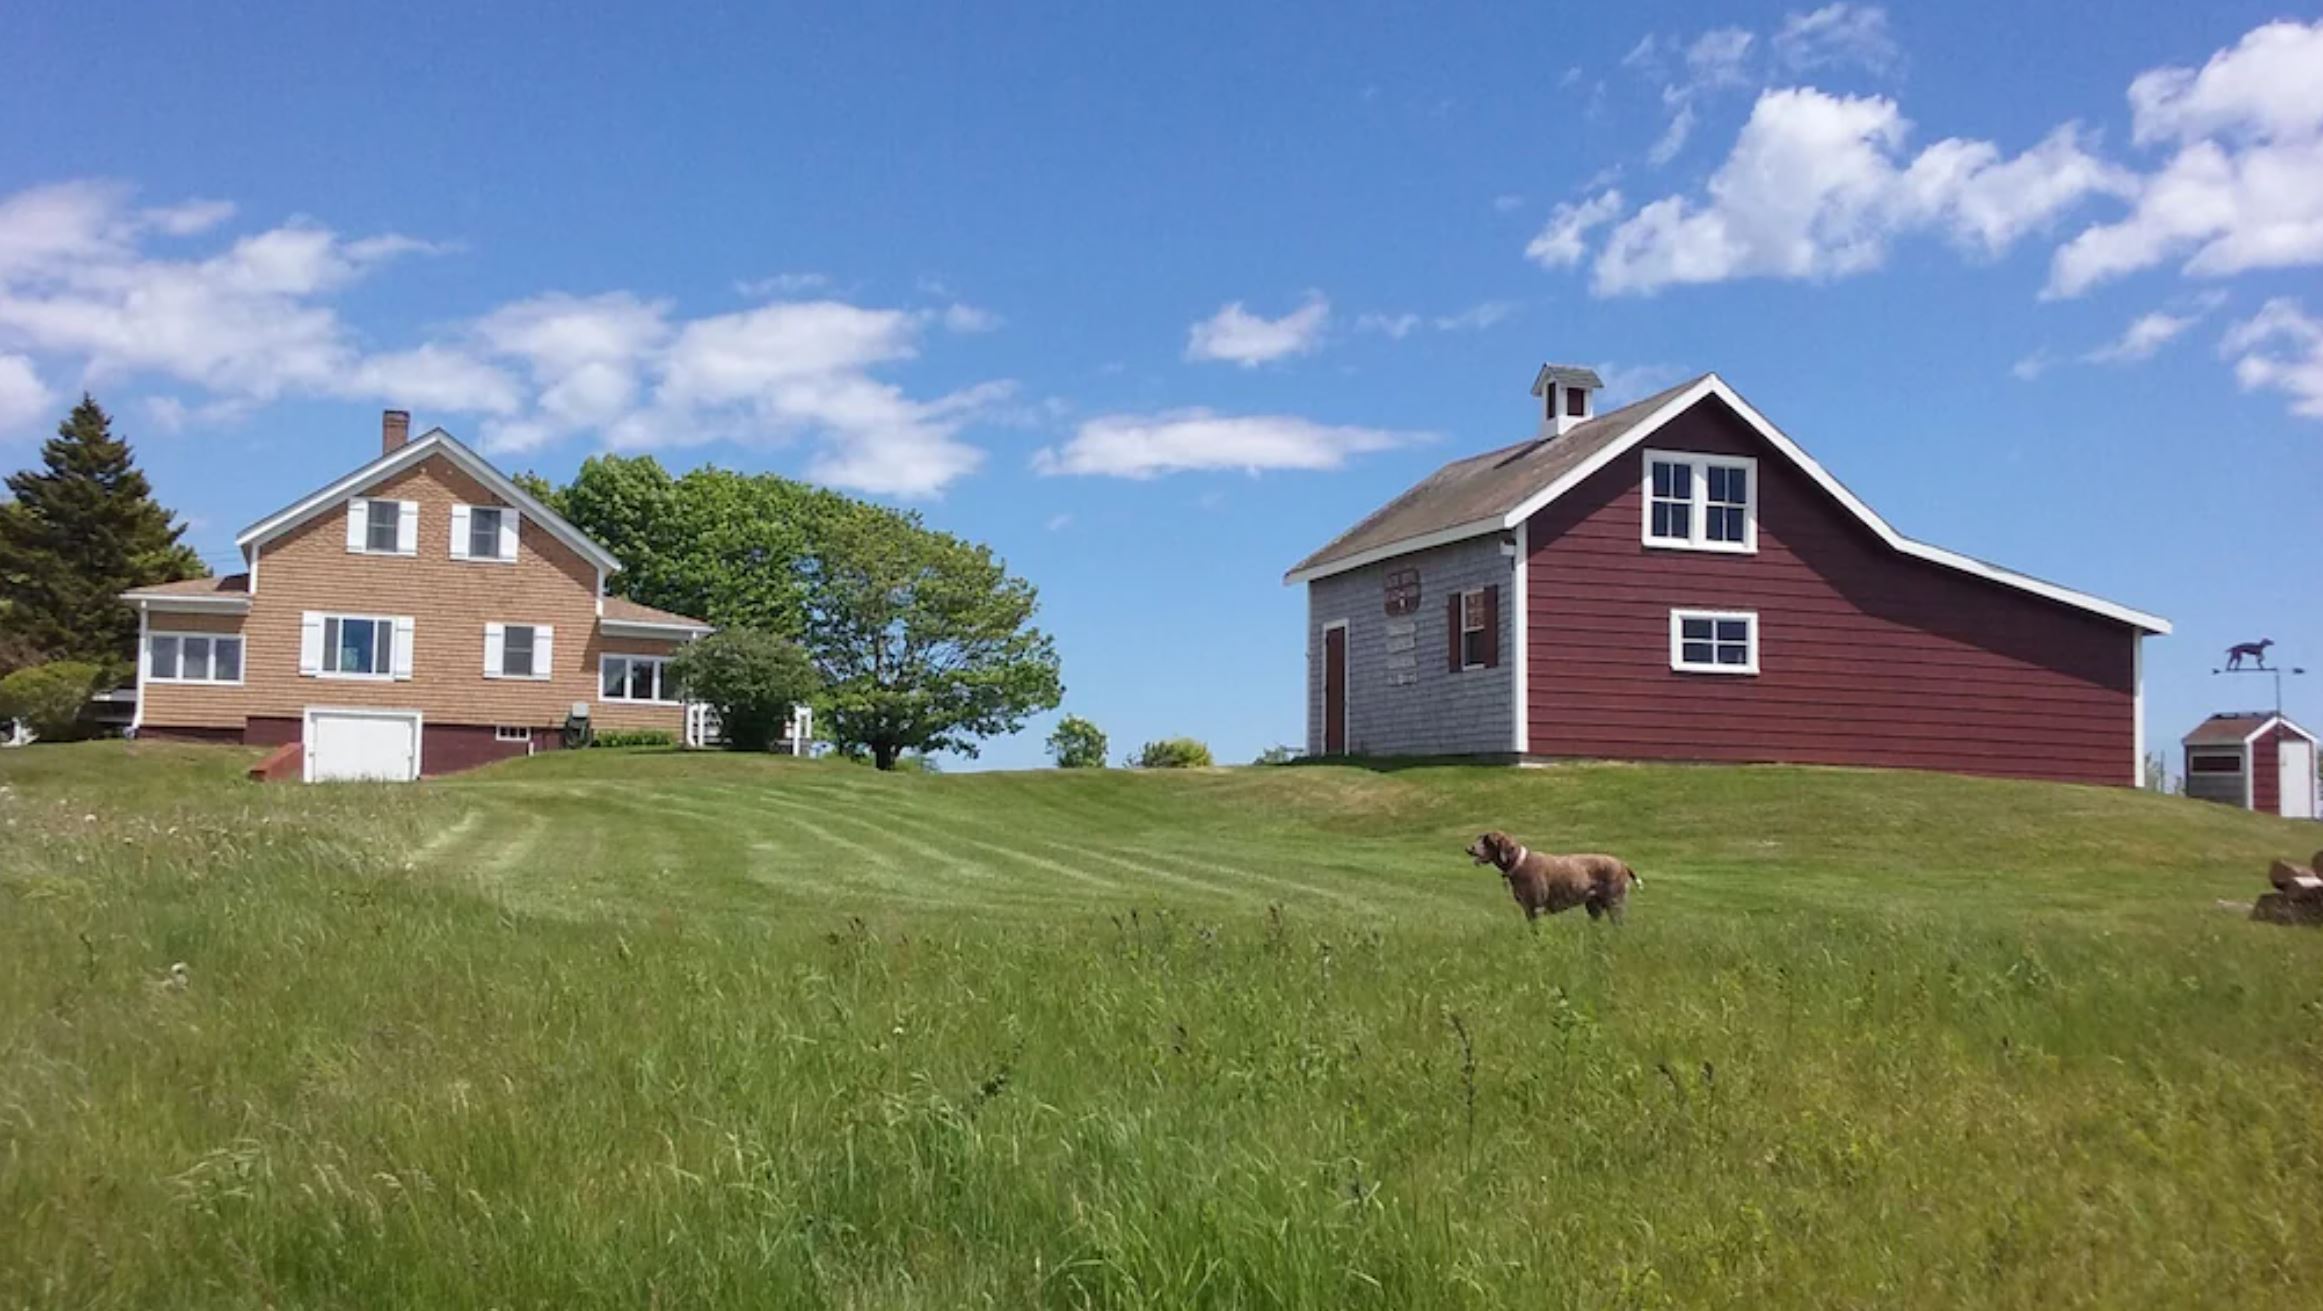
x: 751, y: 678
x: 1077, y: 744
x: 635, y: 737
x: 1277, y: 755
x: 50, y: 698
x: 1172, y: 753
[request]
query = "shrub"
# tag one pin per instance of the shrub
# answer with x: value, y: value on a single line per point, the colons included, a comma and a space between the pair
x: 751, y: 678
x: 1077, y: 744
x: 49, y: 698
x: 635, y: 737
x: 1172, y: 753
x: 1277, y: 755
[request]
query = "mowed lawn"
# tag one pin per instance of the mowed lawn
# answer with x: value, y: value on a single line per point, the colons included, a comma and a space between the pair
x: 652, y: 1029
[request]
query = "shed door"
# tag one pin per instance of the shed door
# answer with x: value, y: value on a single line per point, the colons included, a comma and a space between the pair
x: 2296, y: 757
x: 362, y: 744
x: 1335, y: 691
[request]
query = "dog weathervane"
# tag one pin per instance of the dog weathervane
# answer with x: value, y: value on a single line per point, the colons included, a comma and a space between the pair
x: 2255, y: 650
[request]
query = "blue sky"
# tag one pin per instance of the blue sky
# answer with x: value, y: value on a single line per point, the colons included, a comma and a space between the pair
x: 1156, y: 299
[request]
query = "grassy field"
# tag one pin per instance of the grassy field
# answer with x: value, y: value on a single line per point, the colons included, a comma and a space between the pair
x: 650, y: 1029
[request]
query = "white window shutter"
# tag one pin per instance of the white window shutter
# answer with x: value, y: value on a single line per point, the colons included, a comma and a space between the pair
x: 358, y: 523
x: 459, y: 532
x: 310, y: 642
x: 509, y: 519
x: 495, y: 641
x: 403, y: 647
x: 407, y: 529
x: 544, y: 655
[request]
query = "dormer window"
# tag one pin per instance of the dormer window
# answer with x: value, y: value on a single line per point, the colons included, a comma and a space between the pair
x: 1701, y: 502
x: 1576, y: 402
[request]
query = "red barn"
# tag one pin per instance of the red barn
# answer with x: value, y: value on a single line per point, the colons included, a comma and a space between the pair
x: 2256, y: 760
x: 1677, y: 580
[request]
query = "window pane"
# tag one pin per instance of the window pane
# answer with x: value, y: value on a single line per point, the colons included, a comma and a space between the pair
x: 1733, y: 630
x: 164, y: 658
x: 195, y: 659
x: 1733, y: 654
x: 1682, y: 481
x: 1681, y: 520
x: 614, y: 681
x: 1695, y: 630
x: 484, y: 534
x: 1661, y: 519
x: 357, y: 649
x: 1471, y: 610
x: 1472, y: 648
x: 1695, y: 653
x: 516, y: 651
x: 644, y: 680
x: 380, y: 530
x: 226, y: 664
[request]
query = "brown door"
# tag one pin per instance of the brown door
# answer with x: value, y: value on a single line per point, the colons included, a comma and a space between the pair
x: 1334, y: 691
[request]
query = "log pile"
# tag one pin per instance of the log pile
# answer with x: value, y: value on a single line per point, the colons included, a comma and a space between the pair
x: 2298, y: 894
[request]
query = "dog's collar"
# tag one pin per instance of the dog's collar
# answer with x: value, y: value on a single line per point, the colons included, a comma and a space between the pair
x: 1518, y: 858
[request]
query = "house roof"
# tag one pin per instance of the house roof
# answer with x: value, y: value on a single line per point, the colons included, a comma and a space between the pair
x: 1566, y: 374
x: 220, y: 585
x: 1498, y: 490
x: 435, y: 442
x: 623, y: 612
x: 2239, y: 729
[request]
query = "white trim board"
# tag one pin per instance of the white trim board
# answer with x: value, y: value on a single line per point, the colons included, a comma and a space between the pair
x: 2251, y: 738
x: 1713, y: 385
x: 436, y: 442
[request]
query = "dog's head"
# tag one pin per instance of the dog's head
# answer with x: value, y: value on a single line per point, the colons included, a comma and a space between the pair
x: 1491, y: 848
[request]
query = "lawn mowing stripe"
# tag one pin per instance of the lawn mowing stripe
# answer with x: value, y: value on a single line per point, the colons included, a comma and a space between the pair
x: 1343, y: 896
x: 973, y: 873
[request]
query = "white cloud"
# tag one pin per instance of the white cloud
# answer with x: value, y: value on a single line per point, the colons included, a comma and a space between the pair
x: 24, y: 399
x: 1237, y: 336
x: 2280, y: 348
x: 782, y: 284
x: 1836, y: 35
x: 1507, y: 203
x: 1674, y: 137
x: 2244, y: 189
x: 1395, y: 327
x: 1563, y: 240
x: 2145, y: 334
x: 252, y: 322
x: 1476, y: 317
x: 2032, y: 366
x: 1817, y: 185
x: 1628, y: 382
x: 1178, y: 441
x: 1720, y: 57
x: 1060, y: 522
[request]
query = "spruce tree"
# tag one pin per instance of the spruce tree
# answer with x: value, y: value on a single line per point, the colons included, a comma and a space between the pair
x: 78, y: 532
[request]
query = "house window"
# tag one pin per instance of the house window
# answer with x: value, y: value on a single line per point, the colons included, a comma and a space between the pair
x: 382, y: 520
x: 193, y: 658
x: 1577, y: 402
x: 636, y: 678
x: 1701, y: 502
x: 516, y: 647
x: 504, y: 733
x: 484, y: 532
x: 1714, y: 641
x: 1475, y: 630
x: 358, y: 646
x: 2214, y: 762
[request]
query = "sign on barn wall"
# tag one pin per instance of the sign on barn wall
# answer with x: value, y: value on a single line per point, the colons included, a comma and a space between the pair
x: 1403, y: 660
x: 1403, y: 591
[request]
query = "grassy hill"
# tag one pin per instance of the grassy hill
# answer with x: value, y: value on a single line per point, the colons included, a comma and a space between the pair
x: 635, y: 1028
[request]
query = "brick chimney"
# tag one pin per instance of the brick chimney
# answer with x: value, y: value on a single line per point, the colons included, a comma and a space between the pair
x: 394, y: 430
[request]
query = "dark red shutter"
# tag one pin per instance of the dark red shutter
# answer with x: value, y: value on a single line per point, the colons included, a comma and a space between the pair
x: 1492, y: 627
x: 1453, y: 622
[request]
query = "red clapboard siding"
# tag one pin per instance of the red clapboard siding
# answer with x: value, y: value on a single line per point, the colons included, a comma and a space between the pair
x: 2265, y: 761
x: 1866, y: 657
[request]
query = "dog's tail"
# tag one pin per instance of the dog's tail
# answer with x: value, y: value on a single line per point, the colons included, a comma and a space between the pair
x: 1636, y: 879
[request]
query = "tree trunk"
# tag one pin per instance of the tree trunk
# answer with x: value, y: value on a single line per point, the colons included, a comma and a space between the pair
x: 883, y: 754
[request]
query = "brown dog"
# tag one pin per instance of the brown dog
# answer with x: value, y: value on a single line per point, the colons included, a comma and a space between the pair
x: 1544, y: 883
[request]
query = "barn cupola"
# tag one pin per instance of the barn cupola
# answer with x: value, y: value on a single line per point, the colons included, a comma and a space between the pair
x: 1568, y: 397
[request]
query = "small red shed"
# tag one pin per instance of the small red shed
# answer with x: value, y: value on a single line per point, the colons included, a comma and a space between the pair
x: 2257, y: 760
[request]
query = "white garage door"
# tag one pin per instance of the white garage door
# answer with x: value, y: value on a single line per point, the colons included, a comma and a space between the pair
x: 362, y: 744
x: 2298, y: 778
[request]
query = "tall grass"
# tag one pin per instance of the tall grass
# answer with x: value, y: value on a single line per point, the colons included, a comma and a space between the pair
x: 624, y: 1030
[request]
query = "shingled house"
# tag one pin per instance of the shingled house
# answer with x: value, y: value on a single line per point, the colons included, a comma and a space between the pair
x: 1677, y: 579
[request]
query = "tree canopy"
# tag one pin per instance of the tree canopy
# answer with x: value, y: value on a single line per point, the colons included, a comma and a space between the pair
x: 79, y: 531
x: 923, y: 641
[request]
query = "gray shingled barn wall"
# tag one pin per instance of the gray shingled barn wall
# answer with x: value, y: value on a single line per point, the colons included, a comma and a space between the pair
x: 1402, y: 698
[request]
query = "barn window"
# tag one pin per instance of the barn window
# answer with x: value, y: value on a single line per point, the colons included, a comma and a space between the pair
x: 1701, y: 502
x: 1714, y: 641
x: 2214, y: 762
x: 1475, y: 631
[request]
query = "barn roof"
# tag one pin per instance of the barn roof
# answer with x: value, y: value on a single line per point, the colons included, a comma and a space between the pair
x: 1498, y: 490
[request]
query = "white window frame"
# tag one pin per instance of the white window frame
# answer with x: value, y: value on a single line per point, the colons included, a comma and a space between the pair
x: 1483, y: 624
x: 660, y: 680
x: 511, y: 733
x: 1698, y: 514
x: 506, y: 539
x: 406, y: 512
x: 385, y: 654
x: 145, y: 657
x: 1678, y: 661
x: 543, y: 652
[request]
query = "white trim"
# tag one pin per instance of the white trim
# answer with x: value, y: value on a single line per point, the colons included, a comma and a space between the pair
x: 504, y: 537
x: 137, y: 711
x: 649, y: 628
x: 500, y: 731
x: 1680, y: 664
x: 1393, y: 549
x: 385, y: 656
x: 1346, y: 694
x: 306, y: 737
x: 2137, y: 709
x: 359, y: 540
x: 1697, y: 502
x: 661, y: 680
x: 436, y: 441
x: 2251, y: 738
x: 145, y: 672
x: 250, y: 567
x: 543, y: 653
x: 2285, y: 749
x: 192, y: 605
x: 1519, y: 596
x: 1713, y: 385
